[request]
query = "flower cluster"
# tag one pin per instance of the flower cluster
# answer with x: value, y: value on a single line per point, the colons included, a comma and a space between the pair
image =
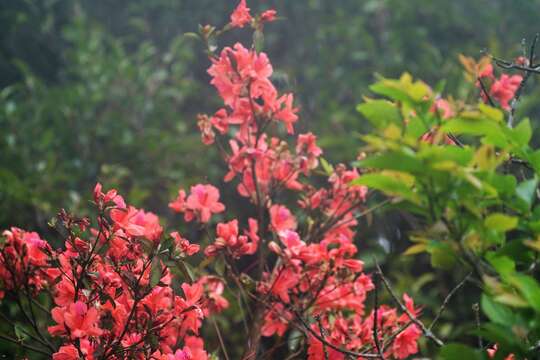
x: 114, y: 286
x: 24, y: 263
x: 502, y: 89
x: 113, y: 295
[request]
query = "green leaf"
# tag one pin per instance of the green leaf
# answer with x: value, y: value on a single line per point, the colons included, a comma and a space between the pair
x: 20, y: 332
x: 328, y: 169
x: 403, y: 89
x: 497, y: 313
x: 393, y: 161
x: 458, y: 351
x: 503, y: 264
x: 470, y: 126
x: 442, y: 255
x: 522, y: 133
x: 415, y: 249
x: 380, y: 113
x: 491, y: 112
x: 529, y: 288
x: 526, y: 191
x: 155, y: 271
x: 294, y: 340
x: 258, y: 40
x: 501, y: 222
x: 499, y: 334
x: 387, y: 184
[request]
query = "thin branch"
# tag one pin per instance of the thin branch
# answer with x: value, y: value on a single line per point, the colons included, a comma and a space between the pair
x: 476, y: 310
x: 427, y: 333
x: 447, y: 300
x: 485, y: 92
x: 325, y: 350
x: 26, y: 346
x: 376, y: 317
x: 332, y: 346
x: 221, y: 343
x: 527, y: 74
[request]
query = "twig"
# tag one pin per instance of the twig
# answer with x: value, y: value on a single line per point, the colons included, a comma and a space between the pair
x: 332, y: 346
x: 517, y: 95
x: 476, y: 310
x: 427, y: 333
x: 221, y: 343
x: 325, y: 350
x: 486, y: 93
x: 20, y: 343
x: 376, y: 318
x: 447, y: 300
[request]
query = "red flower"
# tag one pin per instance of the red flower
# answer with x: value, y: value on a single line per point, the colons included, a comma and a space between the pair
x: 405, y: 343
x: 202, y: 203
x: 66, y: 352
x: 136, y: 222
x: 179, y: 204
x: 281, y: 218
x: 240, y: 15
x: 183, y: 245
x: 268, y: 15
x: 504, y: 89
x: 80, y: 320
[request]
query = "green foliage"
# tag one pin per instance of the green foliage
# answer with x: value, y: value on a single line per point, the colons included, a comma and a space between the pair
x: 477, y: 202
x: 114, y: 119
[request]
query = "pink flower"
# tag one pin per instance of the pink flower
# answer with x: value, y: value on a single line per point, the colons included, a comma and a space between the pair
x: 504, y: 89
x: 486, y: 72
x: 268, y: 15
x: 276, y: 321
x: 281, y: 218
x: 111, y: 196
x: 136, y: 222
x: 183, y: 245
x: 179, y: 204
x: 285, y: 112
x: 405, y: 343
x: 240, y: 15
x: 443, y: 108
x: 228, y: 238
x: 66, y: 352
x: 202, y: 202
x: 80, y: 320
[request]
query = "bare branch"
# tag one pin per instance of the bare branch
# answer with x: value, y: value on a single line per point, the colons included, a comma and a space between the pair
x: 447, y: 300
x: 427, y: 332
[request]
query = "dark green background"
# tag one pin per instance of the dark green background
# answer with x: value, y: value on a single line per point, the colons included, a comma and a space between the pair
x: 109, y: 90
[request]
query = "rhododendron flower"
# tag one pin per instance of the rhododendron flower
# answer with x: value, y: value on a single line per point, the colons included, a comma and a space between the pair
x: 493, y: 351
x: 111, y: 196
x: 486, y: 72
x: 66, y: 352
x: 443, y: 108
x: 268, y: 15
x: 405, y: 343
x: 203, y: 201
x: 179, y: 204
x: 205, y: 126
x: 276, y: 321
x: 504, y: 89
x: 240, y: 16
x: 76, y: 318
x: 228, y: 238
x: 136, y: 222
x: 183, y: 245
x: 24, y: 260
x: 281, y: 218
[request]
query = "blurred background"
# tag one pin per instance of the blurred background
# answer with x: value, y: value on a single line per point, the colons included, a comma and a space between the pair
x: 108, y: 90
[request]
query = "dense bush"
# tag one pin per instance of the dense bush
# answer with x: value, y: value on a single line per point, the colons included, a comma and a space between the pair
x: 284, y: 255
